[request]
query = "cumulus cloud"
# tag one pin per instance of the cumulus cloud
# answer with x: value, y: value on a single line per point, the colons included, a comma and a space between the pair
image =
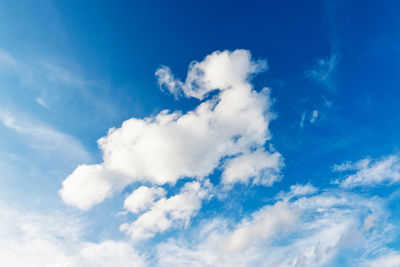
x: 171, y: 145
x: 142, y: 198
x: 220, y: 70
x: 263, y: 225
x: 89, y: 185
x: 168, y: 212
x: 369, y: 172
x: 262, y: 166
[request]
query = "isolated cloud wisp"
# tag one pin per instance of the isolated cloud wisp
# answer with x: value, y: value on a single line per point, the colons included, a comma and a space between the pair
x: 324, y: 71
x: 42, y: 137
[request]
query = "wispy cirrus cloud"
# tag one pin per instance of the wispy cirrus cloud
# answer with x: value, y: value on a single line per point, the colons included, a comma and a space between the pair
x: 311, y: 229
x: 324, y: 71
x: 42, y: 137
x: 370, y: 172
x: 54, y: 82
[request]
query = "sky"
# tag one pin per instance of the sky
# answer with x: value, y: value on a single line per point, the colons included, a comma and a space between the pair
x: 201, y: 133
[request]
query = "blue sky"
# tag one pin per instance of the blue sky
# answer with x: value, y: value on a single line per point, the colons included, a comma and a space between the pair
x: 212, y: 133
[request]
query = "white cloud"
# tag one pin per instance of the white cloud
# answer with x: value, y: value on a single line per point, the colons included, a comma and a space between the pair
x: 263, y: 225
x: 91, y: 184
x: 308, y: 231
x: 109, y: 253
x: 370, y: 172
x: 302, y: 120
x: 220, y: 70
x: 389, y: 260
x: 314, y: 116
x: 42, y: 102
x: 143, y: 198
x: 262, y: 166
x: 169, y: 212
x: 298, y: 190
x: 50, y: 240
x: 172, y: 145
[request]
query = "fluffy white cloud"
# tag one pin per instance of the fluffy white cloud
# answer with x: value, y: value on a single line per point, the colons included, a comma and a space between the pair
x: 168, y: 212
x: 142, y: 198
x: 169, y: 146
x: 368, y: 172
x: 220, y: 70
x: 89, y: 185
x: 263, y: 225
x: 262, y: 166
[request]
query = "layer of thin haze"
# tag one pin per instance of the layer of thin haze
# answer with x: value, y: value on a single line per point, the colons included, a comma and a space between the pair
x: 172, y: 145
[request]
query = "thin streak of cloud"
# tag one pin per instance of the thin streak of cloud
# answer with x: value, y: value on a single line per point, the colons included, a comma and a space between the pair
x: 323, y: 72
x: 42, y: 137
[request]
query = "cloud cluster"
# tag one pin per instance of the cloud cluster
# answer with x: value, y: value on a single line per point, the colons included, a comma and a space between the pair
x: 368, y: 172
x: 142, y: 198
x: 166, y: 212
x: 224, y: 130
x: 229, y: 130
x: 305, y: 229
